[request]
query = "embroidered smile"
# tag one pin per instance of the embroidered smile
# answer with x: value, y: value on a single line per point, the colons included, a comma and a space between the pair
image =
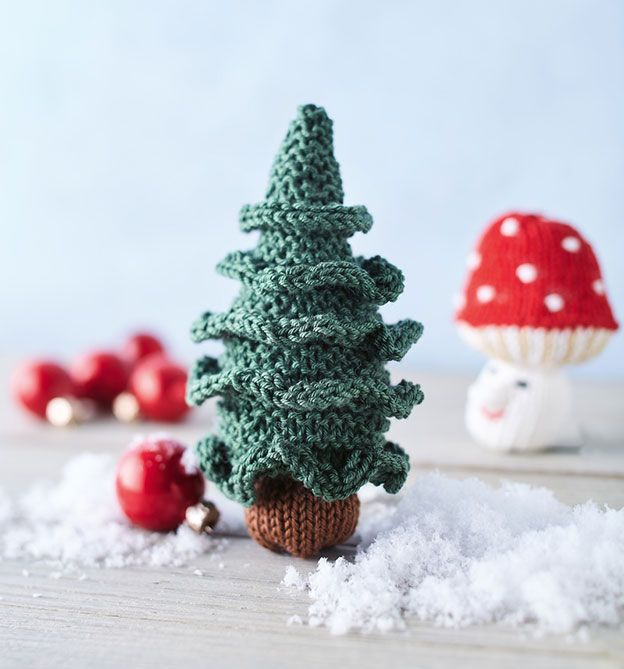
x: 492, y: 415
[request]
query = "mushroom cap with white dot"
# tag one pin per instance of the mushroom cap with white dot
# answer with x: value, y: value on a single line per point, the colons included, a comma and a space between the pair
x: 554, y: 302
x: 599, y: 287
x: 527, y: 272
x: 571, y: 244
x: 485, y: 293
x: 509, y: 227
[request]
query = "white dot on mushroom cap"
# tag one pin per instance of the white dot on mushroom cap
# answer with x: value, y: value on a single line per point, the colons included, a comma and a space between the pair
x: 485, y: 293
x: 599, y: 287
x: 473, y: 260
x: 554, y: 302
x: 526, y: 272
x: 509, y: 227
x: 571, y: 244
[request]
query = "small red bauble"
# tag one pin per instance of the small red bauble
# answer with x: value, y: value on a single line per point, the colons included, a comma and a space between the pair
x: 154, y: 487
x: 36, y: 383
x: 159, y: 386
x: 140, y: 345
x: 100, y: 376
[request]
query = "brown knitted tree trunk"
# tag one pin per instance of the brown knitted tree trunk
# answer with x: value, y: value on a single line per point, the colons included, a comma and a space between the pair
x: 288, y: 517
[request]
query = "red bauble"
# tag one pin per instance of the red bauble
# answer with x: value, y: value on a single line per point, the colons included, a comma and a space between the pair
x: 159, y: 386
x: 100, y: 376
x: 37, y: 382
x: 140, y: 345
x: 154, y: 488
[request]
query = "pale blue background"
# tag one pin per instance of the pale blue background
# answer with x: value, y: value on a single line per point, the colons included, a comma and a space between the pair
x: 131, y: 133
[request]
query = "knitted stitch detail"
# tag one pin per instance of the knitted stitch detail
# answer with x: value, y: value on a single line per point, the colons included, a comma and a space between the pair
x: 277, y: 392
x: 305, y: 169
x: 379, y: 463
x: 304, y: 393
x: 374, y: 279
x: 288, y: 517
x: 301, y: 216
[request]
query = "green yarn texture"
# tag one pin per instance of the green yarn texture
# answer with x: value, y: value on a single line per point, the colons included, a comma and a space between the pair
x: 302, y: 384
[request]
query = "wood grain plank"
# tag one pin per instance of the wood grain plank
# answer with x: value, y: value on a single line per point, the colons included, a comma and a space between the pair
x: 235, y: 616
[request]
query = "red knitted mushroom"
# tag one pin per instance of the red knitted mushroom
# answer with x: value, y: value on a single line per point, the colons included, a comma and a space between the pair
x: 535, y: 294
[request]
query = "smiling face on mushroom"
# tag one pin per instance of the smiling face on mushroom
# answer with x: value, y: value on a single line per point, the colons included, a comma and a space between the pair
x: 513, y: 408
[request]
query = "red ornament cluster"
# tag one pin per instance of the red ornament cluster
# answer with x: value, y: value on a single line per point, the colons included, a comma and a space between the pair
x: 139, y: 382
x: 35, y: 384
x: 140, y: 346
x: 99, y: 376
x: 159, y: 386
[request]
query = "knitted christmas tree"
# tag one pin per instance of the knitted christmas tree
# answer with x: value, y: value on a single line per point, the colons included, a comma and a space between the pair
x: 305, y: 398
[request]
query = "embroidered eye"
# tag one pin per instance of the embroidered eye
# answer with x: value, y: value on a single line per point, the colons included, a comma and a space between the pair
x: 522, y: 384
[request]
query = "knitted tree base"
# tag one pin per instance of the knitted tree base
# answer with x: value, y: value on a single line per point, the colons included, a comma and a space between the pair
x: 288, y: 517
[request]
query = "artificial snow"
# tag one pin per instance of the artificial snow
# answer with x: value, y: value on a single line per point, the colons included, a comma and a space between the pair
x: 293, y: 579
x: 458, y: 553
x: 189, y: 461
x: 77, y: 522
x: 294, y: 620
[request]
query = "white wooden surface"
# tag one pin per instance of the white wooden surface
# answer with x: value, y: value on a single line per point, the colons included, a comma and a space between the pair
x: 236, y: 616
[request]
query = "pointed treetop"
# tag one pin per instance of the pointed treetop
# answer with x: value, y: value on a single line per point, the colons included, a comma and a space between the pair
x: 305, y: 170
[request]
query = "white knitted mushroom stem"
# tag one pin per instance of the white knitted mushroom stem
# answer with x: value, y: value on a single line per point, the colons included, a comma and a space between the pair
x: 514, y: 408
x: 536, y: 346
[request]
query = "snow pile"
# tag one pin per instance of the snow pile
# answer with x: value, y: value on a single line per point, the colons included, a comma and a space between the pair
x: 77, y: 522
x: 458, y: 553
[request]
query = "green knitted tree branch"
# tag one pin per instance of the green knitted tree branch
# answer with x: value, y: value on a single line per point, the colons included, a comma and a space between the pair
x: 303, y: 387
